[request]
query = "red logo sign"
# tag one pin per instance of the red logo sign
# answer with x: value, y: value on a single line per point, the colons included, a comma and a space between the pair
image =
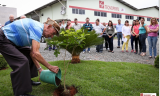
x: 101, y: 4
x: 147, y: 94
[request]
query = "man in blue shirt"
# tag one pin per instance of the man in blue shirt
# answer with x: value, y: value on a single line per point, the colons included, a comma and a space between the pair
x: 24, y: 61
x: 11, y: 19
x: 89, y: 27
x: 119, y: 32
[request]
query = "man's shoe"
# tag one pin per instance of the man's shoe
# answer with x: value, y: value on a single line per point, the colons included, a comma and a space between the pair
x: 89, y: 51
x: 26, y: 95
x: 118, y: 47
x: 35, y: 83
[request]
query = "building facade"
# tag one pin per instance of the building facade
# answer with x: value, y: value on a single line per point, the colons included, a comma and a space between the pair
x: 5, y: 12
x: 104, y: 10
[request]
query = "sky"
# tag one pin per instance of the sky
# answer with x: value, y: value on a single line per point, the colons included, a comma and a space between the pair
x: 25, y: 6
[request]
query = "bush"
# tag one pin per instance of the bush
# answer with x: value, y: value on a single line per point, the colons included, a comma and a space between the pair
x: 156, y: 62
x: 3, y: 62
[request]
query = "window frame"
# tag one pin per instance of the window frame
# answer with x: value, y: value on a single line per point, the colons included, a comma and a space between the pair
x: 101, y: 14
x: 78, y: 11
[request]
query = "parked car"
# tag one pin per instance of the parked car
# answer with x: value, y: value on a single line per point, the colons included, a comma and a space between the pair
x: 43, y: 39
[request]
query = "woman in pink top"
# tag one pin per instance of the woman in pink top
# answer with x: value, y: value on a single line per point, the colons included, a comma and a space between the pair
x: 152, y: 36
x: 136, y: 33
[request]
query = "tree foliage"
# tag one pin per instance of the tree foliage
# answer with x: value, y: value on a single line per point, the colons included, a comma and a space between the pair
x: 74, y: 41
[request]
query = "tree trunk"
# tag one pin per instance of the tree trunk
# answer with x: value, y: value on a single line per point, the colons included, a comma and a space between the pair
x: 75, y: 59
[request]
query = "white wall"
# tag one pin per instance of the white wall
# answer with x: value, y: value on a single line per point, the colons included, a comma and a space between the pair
x: 151, y: 12
x: 94, y: 4
x: 53, y: 12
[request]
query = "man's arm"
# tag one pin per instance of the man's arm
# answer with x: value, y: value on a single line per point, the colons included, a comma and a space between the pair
x: 37, y: 57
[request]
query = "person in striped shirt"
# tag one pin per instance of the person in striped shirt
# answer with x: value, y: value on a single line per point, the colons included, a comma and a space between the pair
x: 24, y: 61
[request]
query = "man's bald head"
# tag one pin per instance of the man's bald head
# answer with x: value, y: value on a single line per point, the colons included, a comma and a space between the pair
x: 23, y: 16
x: 11, y: 18
x: 104, y: 24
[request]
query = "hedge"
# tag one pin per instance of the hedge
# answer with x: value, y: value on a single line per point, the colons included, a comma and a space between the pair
x: 156, y: 62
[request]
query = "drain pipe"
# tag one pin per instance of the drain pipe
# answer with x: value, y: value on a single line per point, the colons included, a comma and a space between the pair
x: 61, y: 3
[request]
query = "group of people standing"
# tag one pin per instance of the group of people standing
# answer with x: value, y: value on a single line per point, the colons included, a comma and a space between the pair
x: 138, y: 33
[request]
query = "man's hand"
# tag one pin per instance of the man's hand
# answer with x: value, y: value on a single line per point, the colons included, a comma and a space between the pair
x: 40, y: 72
x: 101, y: 33
x: 54, y: 69
x: 37, y: 57
x: 110, y: 36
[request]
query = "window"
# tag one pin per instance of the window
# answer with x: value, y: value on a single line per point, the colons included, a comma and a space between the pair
x: 78, y: 11
x: 95, y: 13
x: 102, y: 14
x: 105, y: 14
x: 129, y: 17
x: 116, y: 15
x: 148, y: 19
x: 74, y: 11
x: 98, y: 14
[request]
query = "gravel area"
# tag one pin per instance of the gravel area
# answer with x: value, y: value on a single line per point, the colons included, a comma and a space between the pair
x: 117, y: 56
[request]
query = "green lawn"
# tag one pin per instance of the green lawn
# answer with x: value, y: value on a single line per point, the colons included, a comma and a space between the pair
x: 96, y: 78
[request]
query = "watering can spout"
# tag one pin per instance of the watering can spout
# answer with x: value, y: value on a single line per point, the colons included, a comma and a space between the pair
x: 51, y: 77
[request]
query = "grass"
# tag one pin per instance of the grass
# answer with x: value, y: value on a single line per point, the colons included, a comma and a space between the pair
x: 97, y: 78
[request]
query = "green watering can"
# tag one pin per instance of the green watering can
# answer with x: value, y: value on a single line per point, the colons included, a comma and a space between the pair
x: 51, y: 77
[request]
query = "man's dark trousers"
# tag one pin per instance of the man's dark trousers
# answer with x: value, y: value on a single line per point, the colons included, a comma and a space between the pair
x: 119, y: 36
x: 21, y: 63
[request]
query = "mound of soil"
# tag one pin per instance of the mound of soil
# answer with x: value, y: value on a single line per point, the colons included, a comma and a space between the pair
x: 4, y: 68
x: 72, y: 90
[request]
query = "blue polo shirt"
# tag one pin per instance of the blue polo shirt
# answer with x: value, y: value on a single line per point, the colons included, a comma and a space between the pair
x: 22, y: 32
x: 119, y: 27
x: 8, y: 22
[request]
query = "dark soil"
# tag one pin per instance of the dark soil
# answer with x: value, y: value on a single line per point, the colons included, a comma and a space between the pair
x: 4, y: 68
x: 60, y: 91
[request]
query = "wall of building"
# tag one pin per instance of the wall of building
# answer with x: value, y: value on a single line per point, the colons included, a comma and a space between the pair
x: 5, y: 12
x: 150, y: 12
x: 53, y: 12
x: 93, y: 5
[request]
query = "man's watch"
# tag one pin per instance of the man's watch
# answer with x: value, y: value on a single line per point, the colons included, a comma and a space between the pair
x: 39, y: 68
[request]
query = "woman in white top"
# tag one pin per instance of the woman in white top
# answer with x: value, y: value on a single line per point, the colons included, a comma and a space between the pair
x: 126, y: 31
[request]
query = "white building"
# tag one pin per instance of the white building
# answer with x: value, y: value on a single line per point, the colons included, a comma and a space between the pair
x: 105, y: 10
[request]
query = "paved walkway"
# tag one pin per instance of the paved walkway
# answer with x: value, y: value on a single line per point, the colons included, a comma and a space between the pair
x: 117, y: 56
